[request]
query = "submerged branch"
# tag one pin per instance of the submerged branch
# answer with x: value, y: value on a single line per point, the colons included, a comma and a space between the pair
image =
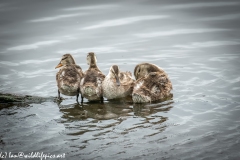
x: 13, y: 98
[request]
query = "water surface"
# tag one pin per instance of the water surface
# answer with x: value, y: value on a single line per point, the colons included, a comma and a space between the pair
x: 196, y: 43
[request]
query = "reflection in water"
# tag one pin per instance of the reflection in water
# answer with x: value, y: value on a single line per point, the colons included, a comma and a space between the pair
x: 113, y: 109
x: 98, y: 111
x: 118, y: 117
x: 148, y: 109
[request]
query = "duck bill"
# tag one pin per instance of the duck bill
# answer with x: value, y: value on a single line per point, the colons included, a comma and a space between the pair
x: 117, y: 80
x: 59, y: 65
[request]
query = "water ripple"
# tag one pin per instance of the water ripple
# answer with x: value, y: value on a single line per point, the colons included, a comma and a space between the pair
x: 200, y: 5
x: 179, y: 32
x: 45, y: 19
x: 93, y: 7
x: 222, y: 17
x: 34, y: 45
x: 124, y: 21
x: 194, y: 45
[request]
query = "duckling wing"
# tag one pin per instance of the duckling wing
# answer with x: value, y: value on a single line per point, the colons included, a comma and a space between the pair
x: 160, y: 83
x: 79, y: 69
x: 91, y: 84
x: 70, y: 75
x: 101, y: 76
x: 90, y: 76
x: 126, y: 78
x: 58, y: 78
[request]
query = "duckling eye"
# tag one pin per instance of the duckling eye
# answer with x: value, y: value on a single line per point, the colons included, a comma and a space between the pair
x: 138, y: 71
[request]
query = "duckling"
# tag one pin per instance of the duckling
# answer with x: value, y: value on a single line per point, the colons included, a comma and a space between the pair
x: 91, y: 83
x: 143, y: 69
x: 117, y: 84
x: 68, y: 77
x: 152, y: 83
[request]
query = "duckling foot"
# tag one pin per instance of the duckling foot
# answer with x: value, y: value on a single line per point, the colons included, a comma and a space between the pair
x: 59, y: 98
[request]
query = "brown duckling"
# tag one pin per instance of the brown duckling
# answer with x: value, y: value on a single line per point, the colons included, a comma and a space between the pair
x: 117, y: 84
x: 91, y: 83
x: 68, y: 77
x: 152, y: 83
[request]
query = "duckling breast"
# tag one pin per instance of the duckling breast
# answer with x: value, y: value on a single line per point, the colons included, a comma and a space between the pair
x: 113, y: 91
x: 109, y: 88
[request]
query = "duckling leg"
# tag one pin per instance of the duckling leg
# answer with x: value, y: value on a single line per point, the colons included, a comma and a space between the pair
x: 81, y: 98
x: 59, y: 95
x: 101, y: 99
x: 81, y: 95
x: 77, y: 94
x: 77, y: 97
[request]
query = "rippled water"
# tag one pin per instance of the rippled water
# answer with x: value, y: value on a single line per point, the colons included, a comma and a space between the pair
x: 196, y: 43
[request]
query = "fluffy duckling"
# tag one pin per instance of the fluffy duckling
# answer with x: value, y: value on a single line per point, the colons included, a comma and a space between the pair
x: 152, y: 83
x: 143, y: 69
x: 117, y: 84
x: 68, y: 77
x: 91, y: 83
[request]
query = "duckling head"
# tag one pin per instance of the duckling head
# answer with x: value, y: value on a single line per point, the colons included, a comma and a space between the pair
x: 114, y: 71
x: 143, y: 69
x: 91, y: 59
x: 67, y: 59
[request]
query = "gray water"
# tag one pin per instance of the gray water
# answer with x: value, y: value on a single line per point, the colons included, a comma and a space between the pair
x: 196, y: 42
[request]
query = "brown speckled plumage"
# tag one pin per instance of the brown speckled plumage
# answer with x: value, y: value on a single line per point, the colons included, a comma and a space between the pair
x: 117, y: 84
x: 69, y: 76
x: 143, y: 69
x: 152, y: 83
x: 91, y: 84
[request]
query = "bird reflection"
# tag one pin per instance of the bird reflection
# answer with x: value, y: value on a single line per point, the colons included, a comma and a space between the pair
x: 111, y: 110
x: 143, y: 110
x: 126, y: 117
x: 98, y: 111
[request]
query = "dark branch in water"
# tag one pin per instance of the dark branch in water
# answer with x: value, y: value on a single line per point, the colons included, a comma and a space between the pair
x: 13, y: 98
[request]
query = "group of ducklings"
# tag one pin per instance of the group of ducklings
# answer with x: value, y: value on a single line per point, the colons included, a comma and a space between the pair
x: 151, y: 83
